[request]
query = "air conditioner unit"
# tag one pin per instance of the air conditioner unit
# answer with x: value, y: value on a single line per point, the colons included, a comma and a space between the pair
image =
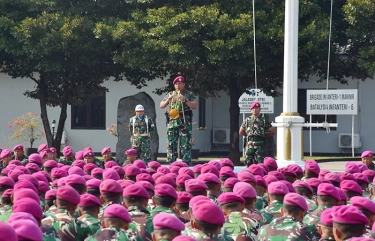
x: 345, y: 140
x: 221, y: 136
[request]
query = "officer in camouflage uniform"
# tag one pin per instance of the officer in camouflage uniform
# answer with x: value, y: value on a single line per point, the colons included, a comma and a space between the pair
x: 290, y: 225
x: 276, y: 193
x: 255, y: 128
x: 18, y: 154
x: 140, y: 126
x: 68, y: 156
x: 6, y: 203
x: 238, y: 224
x: 6, y: 157
x: 182, y: 102
x: 116, y: 220
x: 367, y: 158
x: 89, y: 208
x: 89, y: 157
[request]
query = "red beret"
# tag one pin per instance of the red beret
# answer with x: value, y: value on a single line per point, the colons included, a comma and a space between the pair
x: 167, y: 221
x: 69, y: 194
x: 135, y: 191
x: 179, y: 79
x: 89, y: 200
x: 297, y: 200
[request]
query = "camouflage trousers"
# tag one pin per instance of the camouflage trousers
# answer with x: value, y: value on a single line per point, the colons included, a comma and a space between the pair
x: 255, y: 151
x: 143, y: 147
x: 184, y: 132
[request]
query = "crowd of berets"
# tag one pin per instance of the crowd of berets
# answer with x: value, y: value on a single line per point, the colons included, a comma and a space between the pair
x: 79, y: 197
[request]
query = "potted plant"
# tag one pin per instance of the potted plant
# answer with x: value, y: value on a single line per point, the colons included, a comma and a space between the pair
x: 26, y: 128
x: 113, y: 130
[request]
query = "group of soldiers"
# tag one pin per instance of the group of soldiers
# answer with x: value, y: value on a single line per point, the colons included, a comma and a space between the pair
x: 99, y: 200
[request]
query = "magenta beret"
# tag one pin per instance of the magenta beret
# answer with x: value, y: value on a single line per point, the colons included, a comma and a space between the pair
x: 288, y: 185
x: 359, y: 177
x: 348, y: 215
x: 195, y: 185
x: 42, y: 147
x: 97, y: 171
x: 303, y: 184
x: 182, y: 178
x: 5, y: 153
x: 110, y: 164
x: 146, y: 185
x: 312, y: 166
x: 132, y: 171
x: 15, y: 174
x: 41, y: 176
x: 79, y: 163
x: 255, y: 104
x: 297, y: 169
x: 131, y: 152
x: 244, y: 190
x: 246, y: 176
x: 351, y: 186
x: 33, y: 166
x: 261, y: 182
x: 182, y: 238
x: 288, y: 172
x: 43, y: 187
x: 167, y: 180
x: 207, y: 168
x: 7, y: 193
x: 120, y: 171
x: 209, y: 212
x: 16, y: 162
x: 269, y: 179
x: 226, y: 162
x: 23, y: 184
x: 197, y: 199
x: 265, y: 168
x: 6, y: 181
x: 88, y: 153
x: 186, y: 170
x: 89, y: 200
x: 28, y: 205
x: 277, y: 174
x: 229, y: 197
x: 163, y: 170
x: 7, y: 232
x: 370, y: 174
x: 68, y: 194
x: 154, y: 164
x: 184, y: 197
x: 363, y: 203
x: 351, y: 167
x: 297, y: 200
x: 362, y: 167
x: 75, y: 179
x: 35, y: 158
x: 314, y: 182
x: 277, y: 188
x: 326, y: 217
x: 111, y: 174
x: 140, y: 164
x: 61, y: 182
x: 106, y: 149
x: 93, y: 183
x: 117, y: 211
x: 110, y: 186
x: 256, y: 170
x: 163, y: 189
x: 53, y: 149
x: 25, y: 193
x: 216, y: 163
x: 366, y: 154
x: 209, y: 177
x: 51, y: 194
x: 326, y: 189
x: 58, y: 173
x: 27, y: 230
x: 144, y: 177
x: 178, y: 79
x: 230, y: 182
x: 67, y: 151
x: 135, y: 191
x: 227, y: 172
x: 167, y: 221
x: 18, y: 147
x: 342, y: 194
x: 333, y: 177
x: 197, y: 168
x: 76, y: 171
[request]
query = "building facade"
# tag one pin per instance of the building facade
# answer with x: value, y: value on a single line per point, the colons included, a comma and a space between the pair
x: 86, y: 124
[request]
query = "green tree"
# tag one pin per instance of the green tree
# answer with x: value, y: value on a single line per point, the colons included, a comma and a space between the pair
x: 53, y: 44
x: 211, y: 44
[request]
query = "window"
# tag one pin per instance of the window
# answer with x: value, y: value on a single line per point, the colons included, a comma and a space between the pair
x: 202, y: 112
x: 91, y: 112
x: 315, y: 118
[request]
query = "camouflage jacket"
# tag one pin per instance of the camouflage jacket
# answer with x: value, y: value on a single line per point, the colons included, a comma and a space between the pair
x: 149, y: 224
x: 51, y: 210
x: 272, y: 211
x: 100, y: 216
x: 4, y: 216
x: 261, y: 203
x: 256, y: 126
x: 255, y: 214
x: 139, y: 126
x: 49, y: 233
x: 179, y: 106
x: 212, y: 237
x: 193, y: 232
x: 150, y: 205
x: 139, y: 218
x: 366, y: 193
x: 92, y: 223
x: 113, y: 233
x: 314, y: 217
x: 311, y: 205
x: 24, y: 159
x: 241, y: 226
x: 5, y: 209
x: 372, y: 166
x: 65, y: 161
x: 286, y: 228
x: 213, y: 198
x: 99, y: 163
x: 67, y: 226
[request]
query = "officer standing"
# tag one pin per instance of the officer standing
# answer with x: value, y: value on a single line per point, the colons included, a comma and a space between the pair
x: 255, y: 128
x: 140, y: 126
x: 179, y: 120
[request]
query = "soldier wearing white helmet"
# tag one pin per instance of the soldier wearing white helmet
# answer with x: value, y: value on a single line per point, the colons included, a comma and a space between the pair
x: 140, y: 126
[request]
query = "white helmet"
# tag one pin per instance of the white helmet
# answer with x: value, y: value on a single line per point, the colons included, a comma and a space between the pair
x: 139, y: 108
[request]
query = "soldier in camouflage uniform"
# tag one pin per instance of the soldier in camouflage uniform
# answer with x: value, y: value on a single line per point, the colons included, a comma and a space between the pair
x: 238, y: 224
x: 367, y: 207
x: 18, y: 154
x: 63, y: 220
x: 290, y: 225
x: 6, y: 157
x: 116, y: 220
x: 304, y: 189
x: 89, y: 208
x: 135, y: 198
x: 276, y: 193
x: 255, y: 128
x: 140, y: 126
x: 6, y: 204
x: 182, y: 102
x: 111, y: 193
x: 89, y: 157
x: 367, y: 158
x: 68, y: 156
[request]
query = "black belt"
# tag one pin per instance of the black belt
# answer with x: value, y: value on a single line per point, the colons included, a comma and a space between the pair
x: 255, y: 138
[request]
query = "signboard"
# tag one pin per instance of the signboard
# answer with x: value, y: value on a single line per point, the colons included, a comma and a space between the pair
x: 332, y: 102
x: 265, y: 101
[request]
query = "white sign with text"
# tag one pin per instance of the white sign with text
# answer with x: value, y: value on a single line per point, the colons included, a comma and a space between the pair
x: 265, y: 101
